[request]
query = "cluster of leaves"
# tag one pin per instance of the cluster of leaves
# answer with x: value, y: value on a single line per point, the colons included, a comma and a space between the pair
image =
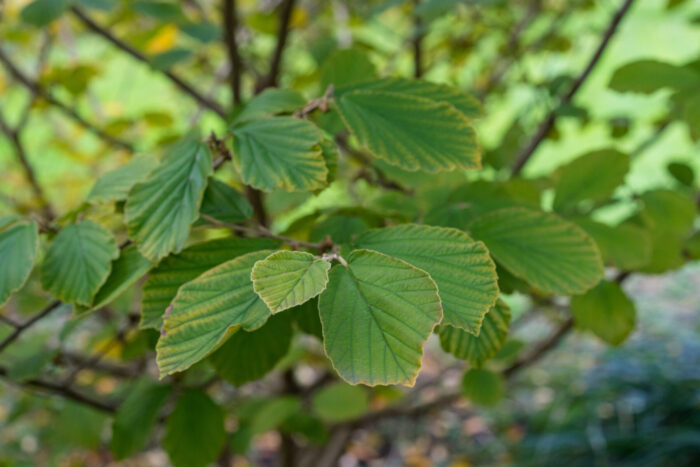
x: 436, y: 251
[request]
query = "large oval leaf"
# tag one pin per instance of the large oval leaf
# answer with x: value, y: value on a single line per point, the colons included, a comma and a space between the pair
x: 477, y: 350
x: 79, y: 262
x: 289, y: 278
x: 160, y: 210
x: 207, y: 310
x: 376, y: 315
x: 401, y: 129
x: 18, y: 246
x: 163, y: 281
x: 279, y: 152
x: 461, y: 268
x: 552, y: 254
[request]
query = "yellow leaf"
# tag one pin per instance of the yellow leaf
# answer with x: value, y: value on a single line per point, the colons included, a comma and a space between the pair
x: 163, y: 41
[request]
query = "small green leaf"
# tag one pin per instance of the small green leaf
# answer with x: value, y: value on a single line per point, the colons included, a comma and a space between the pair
x: 203, y: 31
x: 606, y: 311
x: 248, y: 356
x: 340, y: 228
x: 345, y: 67
x: 115, y: 185
x: 194, y: 431
x: 477, y: 350
x: 279, y: 152
x: 160, y: 10
x: 224, y: 203
x: 682, y: 172
x: 19, y: 244
x: 126, y: 271
x: 483, y: 387
x: 207, y: 310
x: 289, y: 278
x: 340, y: 402
x: 163, y: 281
x: 307, y: 319
x: 42, y: 12
x: 627, y: 247
x: 376, y: 314
x: 461, y: 268
x: 79, y: 262
x: 168, y: 59
x: 647, y: 76
x: 552, y: 254
x: 160, y: 210
x: 400, y: 129
x: 668, y: 211
x: 591, y: 177
x: 273, y: 413
x: 136, y: 418
x: 271, y: 101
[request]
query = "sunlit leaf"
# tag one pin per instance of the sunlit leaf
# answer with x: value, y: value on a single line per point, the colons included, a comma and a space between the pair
x: 624, y: 246
x: 647, y: 76
x: 606, y: 311
x: 115, y: 185
x: 271, y: 102
x: 347, y: 66
x: 19, y: 244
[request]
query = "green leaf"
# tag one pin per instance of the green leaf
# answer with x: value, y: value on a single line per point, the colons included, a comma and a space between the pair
x: 79, y: 262
x: 606, y: 311
x: 164, y: 281
x: 42, y: 12
x: 248, y: 356
x: 682, y: 172
x: 340, y: 402
x: 194, y: 431
x: 483, y: 387
x: 279, y: 152
x: 468, y: 105
x: 668, y: 211
x: 289, y: 278
x: 400, y: 129
x: 340, y: 228
x: 126, y: 271
x: 160, y: 210
x: 115, y: 185
x: 666, y: 252
x: 207, y: 310
x: 160, y: 10
x: 376, y: 314
x: 273, y: 413
x: 647, y: 76
x: 19, y: 244
x: 271, y: 101
x: 477, y: 350
x: 203, y: 31
x: 104, y: 5
x: 345, y: 67
x: 625, y: 246
x: 169, y: 58
x: 224, y: 203
x: 461, y: 267
x: 591, y: 177
x: 136, y: 418
x: 307, y: 319
x: 550, y: 253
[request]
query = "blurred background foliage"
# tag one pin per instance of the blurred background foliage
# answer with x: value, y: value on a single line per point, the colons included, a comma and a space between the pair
x: 586, y: 404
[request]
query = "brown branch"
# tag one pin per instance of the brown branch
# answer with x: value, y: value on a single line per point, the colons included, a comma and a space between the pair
x: 417, y: 44
x: 37, y: 90
x: 174, y: 78
x: 282, y: 33
x: 234, y: 57
x: 13, y: 135
x: 64, y: 391
x: 29, y: 323
x: 546, y: 126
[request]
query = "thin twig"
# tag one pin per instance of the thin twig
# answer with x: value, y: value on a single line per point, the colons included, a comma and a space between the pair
x: 37, y: 90
x: 545, y: 127
x: 29, y: 323
x: 417, y: 44
x: 282, y: 33
x: 236, y: 66
x: 177, y: 80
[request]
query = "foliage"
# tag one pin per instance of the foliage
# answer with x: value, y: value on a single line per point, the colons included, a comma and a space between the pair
x: 305, y: 242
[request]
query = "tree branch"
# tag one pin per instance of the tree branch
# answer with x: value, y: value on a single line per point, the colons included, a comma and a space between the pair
x: 37, y: 90
x: 548, y: 123
x: 177, y: 80
x: 417, y: 44
x: 282, y: 32
x: 19, y: 329
x: 236, y: 66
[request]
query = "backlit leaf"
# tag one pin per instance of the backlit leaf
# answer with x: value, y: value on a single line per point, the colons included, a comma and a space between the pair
x: 461, y: 267
x: 549, y: 252
x: 207, y: 310
x: 376, y: 314
x: 647, y: 76
x: 18, y: 248
x: 477, y: 350
x: 79, y: 262
x: 115, y: 185
x: 347, y: 66
x: 289, y: 278
x: 400, y: 129
x: 163, y: 281
x: 606, y: 311
x: 271, y: 101
x: 627, y: 247
x: 483, y: 387
x: 279, y: 152
x: 160, y: 210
